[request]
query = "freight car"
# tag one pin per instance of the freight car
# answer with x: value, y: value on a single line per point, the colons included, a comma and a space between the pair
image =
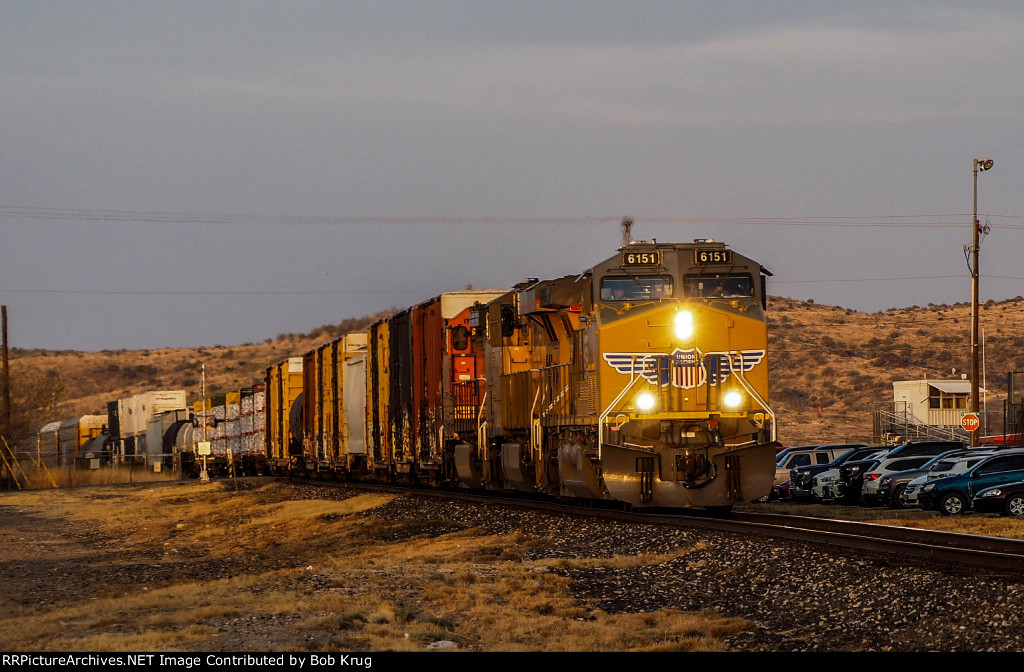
x: 642, y: 380
x: 68, y: 443
x: 222, y: 435
x: 227, y: 435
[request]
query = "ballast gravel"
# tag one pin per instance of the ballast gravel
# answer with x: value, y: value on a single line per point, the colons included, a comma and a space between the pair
x: 799, y: 597
x: 796, y: 596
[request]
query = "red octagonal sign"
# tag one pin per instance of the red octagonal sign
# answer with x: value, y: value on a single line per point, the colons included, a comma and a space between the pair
x: 970, y: 421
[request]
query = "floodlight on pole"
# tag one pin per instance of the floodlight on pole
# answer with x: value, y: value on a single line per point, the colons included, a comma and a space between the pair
x: 980, y: 165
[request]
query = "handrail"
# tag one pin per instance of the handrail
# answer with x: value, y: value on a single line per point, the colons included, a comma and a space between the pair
x: 607, y: 411
x: 752, y: 392
x: 909, y: 426
x: 481, y: 429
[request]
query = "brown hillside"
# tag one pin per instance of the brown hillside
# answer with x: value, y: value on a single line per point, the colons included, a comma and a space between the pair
x: 841, y: 360
x: 845, y: 361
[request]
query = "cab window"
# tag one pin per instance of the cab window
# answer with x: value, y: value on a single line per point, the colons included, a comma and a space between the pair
x: 719, y: 285
x: 631, y: 288
x: 460, y: 338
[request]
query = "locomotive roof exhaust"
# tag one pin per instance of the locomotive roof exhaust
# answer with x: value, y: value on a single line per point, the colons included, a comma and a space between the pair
x: 627, y: 231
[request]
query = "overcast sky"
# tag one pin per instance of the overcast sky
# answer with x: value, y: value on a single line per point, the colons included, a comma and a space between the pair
x: 201, y: 173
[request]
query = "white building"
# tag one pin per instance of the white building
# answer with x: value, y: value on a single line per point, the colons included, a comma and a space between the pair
x: 933, y: 402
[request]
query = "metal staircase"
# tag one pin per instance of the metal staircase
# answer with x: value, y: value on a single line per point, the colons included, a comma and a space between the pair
x: 892, y: 425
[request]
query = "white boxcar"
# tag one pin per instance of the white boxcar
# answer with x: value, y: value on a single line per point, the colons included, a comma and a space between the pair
x: 136, y: 411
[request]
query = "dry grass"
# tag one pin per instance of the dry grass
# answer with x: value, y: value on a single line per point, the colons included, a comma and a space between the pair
x: 329, y: 575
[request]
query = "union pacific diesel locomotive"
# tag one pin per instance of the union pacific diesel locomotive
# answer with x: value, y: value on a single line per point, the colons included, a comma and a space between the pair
x: 642, y: 380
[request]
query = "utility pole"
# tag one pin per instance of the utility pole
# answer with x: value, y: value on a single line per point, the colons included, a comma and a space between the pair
x: 982, y: 165
x: 5, y: 379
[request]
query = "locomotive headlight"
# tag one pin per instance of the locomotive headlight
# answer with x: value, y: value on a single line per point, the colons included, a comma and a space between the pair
x: 732, y: 399
x: 646, y: 401
x: 684, y: 325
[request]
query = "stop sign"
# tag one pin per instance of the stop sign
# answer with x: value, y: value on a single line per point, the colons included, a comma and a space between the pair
x: 970, y: 421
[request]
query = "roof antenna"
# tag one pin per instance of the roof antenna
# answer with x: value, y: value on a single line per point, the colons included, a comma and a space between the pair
x: 627, y: 226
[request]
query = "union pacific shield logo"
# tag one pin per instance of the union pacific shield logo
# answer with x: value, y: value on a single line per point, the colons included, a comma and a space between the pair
x: 684, y: 369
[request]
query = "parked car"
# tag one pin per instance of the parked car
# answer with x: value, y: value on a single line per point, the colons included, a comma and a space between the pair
x: 782, y: 452
x: 851, y: 481
x: 1007, y: 500
x: 829, y: 485
x: 954, y: 495
x: 848, y: 483
x: 798, y: 458
x: 956, y: 464
x: 888, y: 465
x: 801, y: 479
x: 891, y: 486
x: 931, y: 447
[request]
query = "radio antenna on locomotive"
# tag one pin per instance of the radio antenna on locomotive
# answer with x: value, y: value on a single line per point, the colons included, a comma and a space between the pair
x: 627, y: 227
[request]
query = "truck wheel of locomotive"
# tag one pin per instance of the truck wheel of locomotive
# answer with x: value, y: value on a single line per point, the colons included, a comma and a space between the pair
x: 952, y: 504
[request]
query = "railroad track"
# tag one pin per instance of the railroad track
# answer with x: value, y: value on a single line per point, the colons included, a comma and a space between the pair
x: 934, y: 546
x: 931, y: 546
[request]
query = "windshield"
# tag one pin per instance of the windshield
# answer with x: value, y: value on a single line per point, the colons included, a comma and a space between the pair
x: 842, y: 458
x: 853, y: 454
x: 623, y: 288
x: 800, y: 460
x: 720, y: 285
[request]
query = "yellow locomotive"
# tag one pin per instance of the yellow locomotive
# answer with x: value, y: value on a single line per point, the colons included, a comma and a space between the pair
x: 642, y: 380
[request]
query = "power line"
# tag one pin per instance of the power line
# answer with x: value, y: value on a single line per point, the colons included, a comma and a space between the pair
x: 773, y: 281
x: 928, y: 220
x: 314, y: 292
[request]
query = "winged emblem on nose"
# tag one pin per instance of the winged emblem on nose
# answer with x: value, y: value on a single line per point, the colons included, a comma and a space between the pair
x: 684, y: 368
